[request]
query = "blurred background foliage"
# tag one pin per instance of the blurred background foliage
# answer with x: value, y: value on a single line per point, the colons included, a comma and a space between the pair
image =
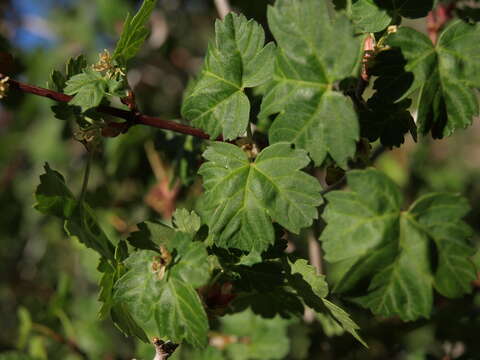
x: 48, y: 288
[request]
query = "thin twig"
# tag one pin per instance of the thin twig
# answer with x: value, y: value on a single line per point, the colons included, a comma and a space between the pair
x: 72, y: 345
x: 315, y: 257
x: 315, y: 252
x: 223, y: 8
x: 132, y: 118
x: 155, y: 161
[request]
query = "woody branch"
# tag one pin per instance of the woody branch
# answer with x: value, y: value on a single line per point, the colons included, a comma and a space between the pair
x: 131, y: 117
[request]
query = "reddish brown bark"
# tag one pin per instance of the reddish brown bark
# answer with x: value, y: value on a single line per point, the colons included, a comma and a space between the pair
x: 131, y: 117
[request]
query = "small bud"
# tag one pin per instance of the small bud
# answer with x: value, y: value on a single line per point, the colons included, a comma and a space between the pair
x: 160, y: 263
x: 89, y: 137
x: 392, y: 29
x: 163, y: 350
x: 4, y: 87
x: 104, y: 63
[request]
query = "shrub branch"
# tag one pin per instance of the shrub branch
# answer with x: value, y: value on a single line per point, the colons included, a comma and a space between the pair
x: 131, y: 117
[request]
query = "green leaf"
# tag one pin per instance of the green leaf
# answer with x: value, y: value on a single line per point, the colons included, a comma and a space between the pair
x: 267, y: 337
x: 369, y: 238
x: 387, y: 121
x: 134, y: 33
x: 73, y: 67
x: 89, y: 88
x: 57, y: 81
x: 168, y: 307
x: 261, y: 287
x: 124, y: 321
x: 242, y: 198
x: 118, y: 312
x: 369, y: 17
x: 24, y: 327
x: 185, y: 221
x: 445, y: 75
x: 313, y: 289
x: 309, y: 274
x: 392, y: 81
x: 269, y: 304
x: 115, y: 87
x: 150, y: 235
x: 440, y: 215
x: 383, y: 118
x: 236, y: 60
x: 314, y: 52
x: 343, y: 319
x: 194, y: 267
x: 375, y: 15
x: 191, y: 264
x: 109, y: 276
x: 54, y: 198
x: 264, y: 276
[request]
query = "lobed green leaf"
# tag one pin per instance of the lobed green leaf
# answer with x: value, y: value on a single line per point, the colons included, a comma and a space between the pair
x: 89, y: 88
x: 237, y: 59
x: 168, y: 307
x: 369, y: 238
x: 186, y: 221
x: 134, y: 33
x: 369, y: 17
x: 375, y: 15
x: 445, y: 75
x: 242, y: 198
x: 315, y: 51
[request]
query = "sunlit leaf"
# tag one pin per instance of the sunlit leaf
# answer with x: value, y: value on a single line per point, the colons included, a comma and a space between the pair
x: 237, y: 59
x: 89, y: 88
x: 134, y: 33
x: 315, y: 51
x: 242, y: 198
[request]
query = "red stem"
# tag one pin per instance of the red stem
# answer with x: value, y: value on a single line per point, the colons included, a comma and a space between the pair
x: 133, y: 118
